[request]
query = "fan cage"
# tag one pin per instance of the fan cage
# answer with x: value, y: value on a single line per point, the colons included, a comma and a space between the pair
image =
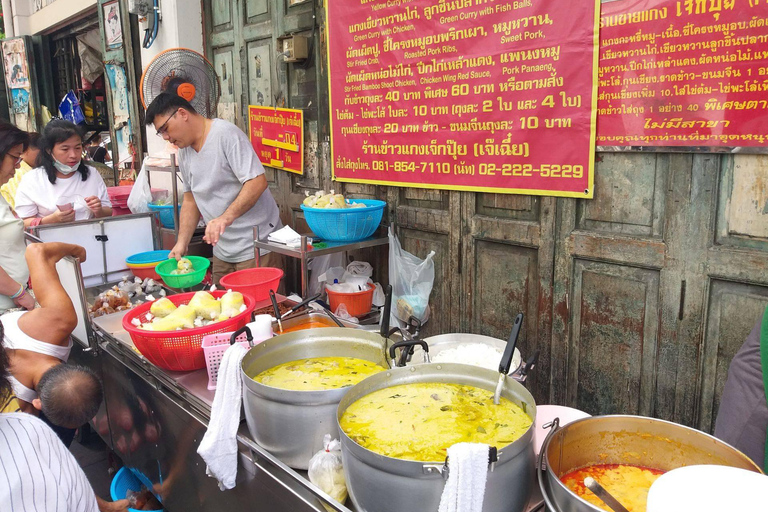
x: 182, y: 65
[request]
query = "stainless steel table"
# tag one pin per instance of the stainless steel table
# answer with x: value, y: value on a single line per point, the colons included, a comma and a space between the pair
x: 157, y: 419
x: 304, y: 254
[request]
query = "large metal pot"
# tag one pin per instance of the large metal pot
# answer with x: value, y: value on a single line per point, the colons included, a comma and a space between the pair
x: 291, y: 424
x: 378, y: 483
x: 633, y: 440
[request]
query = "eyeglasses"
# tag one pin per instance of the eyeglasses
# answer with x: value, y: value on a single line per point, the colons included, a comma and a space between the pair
x: 16, y: 158
x: 161, y: 130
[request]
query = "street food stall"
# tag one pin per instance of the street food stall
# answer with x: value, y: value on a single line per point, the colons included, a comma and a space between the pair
x: 155, y: 418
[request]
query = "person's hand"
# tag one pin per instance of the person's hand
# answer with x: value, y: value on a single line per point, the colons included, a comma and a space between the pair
x: 113, y: 506
x: 179, y: 251
x: 94, y: 204
x: 26, y: 301
x: 59, y: 217
x: 215, y: 229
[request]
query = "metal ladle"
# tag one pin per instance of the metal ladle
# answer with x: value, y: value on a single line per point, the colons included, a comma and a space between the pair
x: 506, y: 359
x: 277, y: 310
x: 594, y: 486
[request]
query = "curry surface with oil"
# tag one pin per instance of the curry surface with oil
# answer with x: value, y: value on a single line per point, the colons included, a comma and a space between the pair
x: 421, y: 421
x: 627, y: 483
x: 318, y: 373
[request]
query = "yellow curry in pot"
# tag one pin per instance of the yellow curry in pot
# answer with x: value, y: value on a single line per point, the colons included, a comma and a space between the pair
x: 318, y: 373
x: 421, y: 421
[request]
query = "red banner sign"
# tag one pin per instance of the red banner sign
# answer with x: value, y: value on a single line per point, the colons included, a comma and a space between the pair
x: 481, y: 95
x: 683, y: 73
x: 277, y: 135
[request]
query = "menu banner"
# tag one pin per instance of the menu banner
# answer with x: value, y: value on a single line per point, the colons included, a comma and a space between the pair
x: 683, y: 73
x: 277, y: 136
x: 478, y: 95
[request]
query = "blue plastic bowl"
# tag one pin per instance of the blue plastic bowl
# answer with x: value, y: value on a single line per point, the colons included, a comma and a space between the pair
x: 166, y: 214
x: 147, y: 257
x: 127, y: 479
x: 345, y: 224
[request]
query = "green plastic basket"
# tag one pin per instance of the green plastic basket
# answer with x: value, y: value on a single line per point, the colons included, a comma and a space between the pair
x: 199, y: 264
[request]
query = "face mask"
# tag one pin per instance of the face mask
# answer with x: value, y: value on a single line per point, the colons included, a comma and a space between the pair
x: 64, y: 168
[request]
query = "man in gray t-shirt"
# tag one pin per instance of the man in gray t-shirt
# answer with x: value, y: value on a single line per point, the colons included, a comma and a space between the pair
x: 223, y: 181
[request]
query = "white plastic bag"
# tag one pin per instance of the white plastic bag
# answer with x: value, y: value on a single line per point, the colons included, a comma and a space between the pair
x: 327, y: 471
x: 141, y: 194
x: 318, y: 267
x: 411, y: 279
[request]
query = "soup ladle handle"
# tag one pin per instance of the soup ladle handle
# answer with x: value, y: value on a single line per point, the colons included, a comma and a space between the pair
x: 594, y: 486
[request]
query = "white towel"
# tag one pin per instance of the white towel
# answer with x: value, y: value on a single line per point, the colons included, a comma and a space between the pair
x: 218, y: 447
x: 468, y: 470
x: 286, y: 236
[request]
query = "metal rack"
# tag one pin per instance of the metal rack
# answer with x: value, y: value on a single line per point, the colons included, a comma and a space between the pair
x: 305, y: 255
x: 165, y: 233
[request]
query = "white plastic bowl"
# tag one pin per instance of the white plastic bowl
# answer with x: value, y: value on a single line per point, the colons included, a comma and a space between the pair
x: 708, y: 488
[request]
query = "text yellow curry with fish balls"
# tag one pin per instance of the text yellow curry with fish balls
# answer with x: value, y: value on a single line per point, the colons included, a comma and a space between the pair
x: 421, y: 421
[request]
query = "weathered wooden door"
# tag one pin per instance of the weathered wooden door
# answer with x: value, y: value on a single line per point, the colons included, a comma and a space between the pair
x: 655, y: 286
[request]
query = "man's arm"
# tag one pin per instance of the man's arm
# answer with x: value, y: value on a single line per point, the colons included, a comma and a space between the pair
x: 10, y: 287
x: 245, y: 200
x: 55, y: 319
x: 188, y: 219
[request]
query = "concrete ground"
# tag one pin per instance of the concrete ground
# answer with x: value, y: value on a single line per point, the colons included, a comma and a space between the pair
x: 91, y: 453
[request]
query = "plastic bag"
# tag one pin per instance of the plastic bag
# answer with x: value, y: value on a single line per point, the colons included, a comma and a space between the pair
x: 411, y: 279
x: 69, y: 108
x: 343, y: 314
x: 317, y: 268
x: 141, y: 194
x: 327, y: 471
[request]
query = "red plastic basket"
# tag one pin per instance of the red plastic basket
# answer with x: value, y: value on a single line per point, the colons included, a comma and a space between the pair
x: 357, y: 303
x: 255, y: 282
x: 180, y: 351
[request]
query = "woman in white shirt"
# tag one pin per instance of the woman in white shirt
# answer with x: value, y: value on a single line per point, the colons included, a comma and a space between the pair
x: 13, y: 268
x: 63, y: 188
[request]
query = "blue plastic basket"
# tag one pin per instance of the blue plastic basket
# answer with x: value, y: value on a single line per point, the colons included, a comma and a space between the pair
x: 147, y: 257
x: 345, y: 224
x: 166, y: 214
x: 126, y: 479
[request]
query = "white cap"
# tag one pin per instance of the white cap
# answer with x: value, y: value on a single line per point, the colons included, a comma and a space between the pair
x: 261, y: 328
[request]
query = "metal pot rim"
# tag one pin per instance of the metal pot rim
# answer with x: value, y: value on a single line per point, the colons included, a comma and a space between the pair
x: 544, y: 474
x: 512, y: 390
x: 297, y: 341
x: 452, y: 338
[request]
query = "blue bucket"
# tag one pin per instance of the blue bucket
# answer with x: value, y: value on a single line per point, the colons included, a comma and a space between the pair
x: 143, y: 258
x: 126, y: 480
x: 166, y: 214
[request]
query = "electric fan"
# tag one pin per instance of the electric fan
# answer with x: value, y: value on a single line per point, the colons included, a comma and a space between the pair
x: 186, y: 73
